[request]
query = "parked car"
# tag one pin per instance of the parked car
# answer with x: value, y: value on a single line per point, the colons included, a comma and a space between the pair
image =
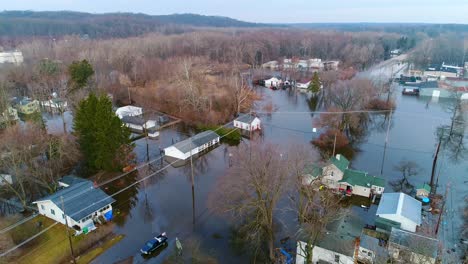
x: 153, y: 244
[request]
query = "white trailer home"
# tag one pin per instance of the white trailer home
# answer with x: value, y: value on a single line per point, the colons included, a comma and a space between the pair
x: 184, y: 149
x: 84, y: 205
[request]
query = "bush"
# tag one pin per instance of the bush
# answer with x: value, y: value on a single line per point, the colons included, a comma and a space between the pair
x: 379, y: 104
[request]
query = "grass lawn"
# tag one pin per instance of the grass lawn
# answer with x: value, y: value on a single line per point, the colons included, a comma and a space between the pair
x: 53, y: 245
x: 93, y: 253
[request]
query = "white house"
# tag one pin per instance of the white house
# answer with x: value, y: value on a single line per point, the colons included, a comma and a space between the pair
x: 303, y: 85
x: 129, y: 110
x: 137, y: 123
x: 400, y: 208
x: 407, y: 247
x: 270, y: 65
x: 333, y: 172
x: 191, y: 146
x: 315, y: 63
x: 248, y: 122
x: 360, y: 183
x: 84, y: 205
x: 15, y: 57
x: 273, y: 82
x: 329, y: 250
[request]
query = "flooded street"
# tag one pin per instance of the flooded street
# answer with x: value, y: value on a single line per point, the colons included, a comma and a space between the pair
x: 163, y: 202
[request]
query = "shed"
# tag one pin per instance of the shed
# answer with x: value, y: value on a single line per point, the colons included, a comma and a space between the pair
x: 184, y: 149
x: 137, y: 123
x: 423, y: 190
x: 401, y: 208
x: 248, y: 122
x: 273, y: 82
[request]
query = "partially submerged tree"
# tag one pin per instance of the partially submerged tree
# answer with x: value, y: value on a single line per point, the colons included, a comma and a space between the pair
x: 250, y: 193
x: 101, y: 134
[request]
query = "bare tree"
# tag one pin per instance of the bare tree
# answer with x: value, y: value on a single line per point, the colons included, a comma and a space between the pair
x: 407, y: 169
x: 250, y: 193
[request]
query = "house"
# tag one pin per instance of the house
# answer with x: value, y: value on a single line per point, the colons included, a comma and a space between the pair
x: 360, y: 183
x: 331, y: 65
x: 129, y: 110
x: 273, y: 82
x: 334, y: 171
x: 423, y: 190
x: 303, y: 84
x: 138, y: 124
x: 9, y: 115
x: 407, y: 247
x: 26, y: 106
x: 14, y: 57
x: 248, y: 122
x: 78, y: 204
x: 55, y: 104
x: 270, y: 65
x: 184, y: 149
x: 370, y: 250
x: 311, y: 173
x: 315, y: 63
x: 400, y: 208
x: 332, y: 249
x: 395, y: 52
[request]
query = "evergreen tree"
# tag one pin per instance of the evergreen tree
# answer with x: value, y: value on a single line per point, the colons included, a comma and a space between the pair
x: 80, y: 72
x: 101, y: 134
x: 314, y: 85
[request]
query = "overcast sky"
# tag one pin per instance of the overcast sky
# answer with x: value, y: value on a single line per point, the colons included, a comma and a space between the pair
x: 271, y: 11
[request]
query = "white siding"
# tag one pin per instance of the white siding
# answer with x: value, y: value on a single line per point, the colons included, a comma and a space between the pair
x: 361, y: 190
x: 175, y: 153
x: 246, y: 126
x: 331, y: 176
x: 319, y: 253
x: 378, y: 189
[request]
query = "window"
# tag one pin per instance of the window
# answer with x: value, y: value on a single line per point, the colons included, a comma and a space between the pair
x: 337, y: 258
x: 369, y: 254
x: 42, y: 207
x: 63, y: 216
x: 52, y: 211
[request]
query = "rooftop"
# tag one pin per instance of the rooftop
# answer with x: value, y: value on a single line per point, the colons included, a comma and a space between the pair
x: 196, y: 141
x: 400, y: 204
x: 361, y: 178
x: 425, y: 186
x: 80, y: 199
x: 71, y: 180
x: 422, y: 245
x: 313, y: 170
x: 340, y: 162
x: 246, y: 118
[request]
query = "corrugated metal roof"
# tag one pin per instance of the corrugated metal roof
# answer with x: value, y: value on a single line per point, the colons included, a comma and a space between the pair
x: 416, y: 243
x: 196, y: 141
x: 342, y: 163
x: 400, y: 204
x: 80, y: 199
x: 361, y: 178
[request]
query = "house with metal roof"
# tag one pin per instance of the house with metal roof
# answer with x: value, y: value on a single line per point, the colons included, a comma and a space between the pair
x: 334, y: 171
x: 407, y: 247
x: 423, y: 190
x: 360, y: 183
x: 78, y: 204
x: 248, y: 122
x: 400, y: 208
x: 138, y: 123
x: 129, y: 110
x: 184, y: 149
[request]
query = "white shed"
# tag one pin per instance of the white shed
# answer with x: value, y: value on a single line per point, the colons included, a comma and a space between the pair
x: 273, y: 82
x: 248, y: 122
x: 129, y: 110
x: 401, y: 208
x: 191, y: 146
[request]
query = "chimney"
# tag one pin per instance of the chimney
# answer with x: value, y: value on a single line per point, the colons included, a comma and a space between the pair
x: 338, y: 156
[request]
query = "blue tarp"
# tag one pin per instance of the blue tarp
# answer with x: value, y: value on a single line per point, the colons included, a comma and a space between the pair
x: 108, y: 215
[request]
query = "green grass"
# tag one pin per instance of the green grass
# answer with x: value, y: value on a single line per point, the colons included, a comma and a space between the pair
x: 232, y: 136
x: 93, y: 253
x: 53, y: 245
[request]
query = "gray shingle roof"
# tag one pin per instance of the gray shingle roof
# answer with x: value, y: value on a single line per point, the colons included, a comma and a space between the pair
x: 196, y: 141
x: 423, y: 245
x: 246, y: 119
x: 400, y: 204
x: 80, y: 199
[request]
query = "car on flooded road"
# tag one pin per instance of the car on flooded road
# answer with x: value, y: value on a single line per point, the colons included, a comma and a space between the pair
x: 152, y: 245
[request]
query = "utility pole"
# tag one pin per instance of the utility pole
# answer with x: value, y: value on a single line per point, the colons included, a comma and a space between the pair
x: 334, y: 145
x: 193, y: 184
x: 434, y: 163
x: 442, y: 209
x: 386, y: 141
x: 66, y: 227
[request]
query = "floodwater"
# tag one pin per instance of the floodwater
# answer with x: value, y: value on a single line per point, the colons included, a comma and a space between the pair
x: 163, y: 202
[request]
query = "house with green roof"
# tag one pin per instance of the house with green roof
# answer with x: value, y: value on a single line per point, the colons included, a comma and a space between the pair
x: 360, y: 183
x: 311, y: 174
x: 334, y: 171
x: 337, y: 176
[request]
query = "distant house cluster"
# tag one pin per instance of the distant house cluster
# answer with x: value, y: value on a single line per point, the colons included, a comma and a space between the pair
x: 337, y: 176
x: 302, y: 64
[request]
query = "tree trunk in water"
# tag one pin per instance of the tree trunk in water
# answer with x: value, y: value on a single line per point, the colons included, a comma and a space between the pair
x: 271, y: 247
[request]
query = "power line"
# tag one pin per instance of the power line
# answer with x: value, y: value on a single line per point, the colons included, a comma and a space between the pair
x: 117, y: 192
